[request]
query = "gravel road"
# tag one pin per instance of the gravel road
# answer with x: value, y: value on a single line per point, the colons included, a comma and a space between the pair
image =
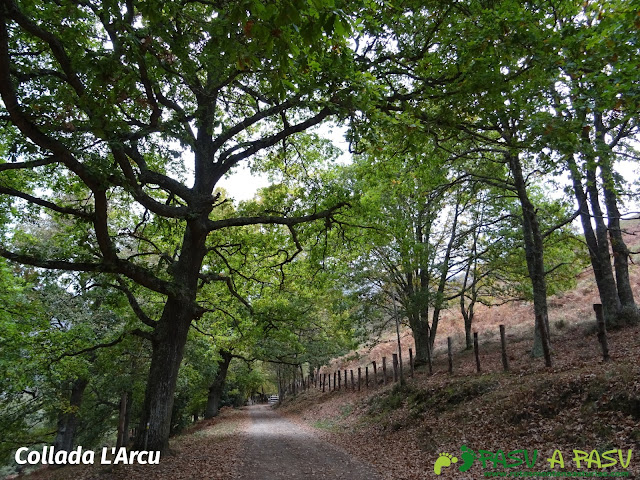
x: 277, y: 449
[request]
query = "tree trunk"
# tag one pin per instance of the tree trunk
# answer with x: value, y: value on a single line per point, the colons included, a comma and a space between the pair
x: 217, y: 387
x: 599, y: 257
x: 468, y: 325
x: 629, y: 311
x: 611, y: 302
x: 68, y: 421
x: 127, y: 420
x: 620, y: 253
x: 534, y: 252
x: 123, y: 436
x: 170, y: 337
x: 420, y: 333
x: 444, y: 276
x: 471, y: 270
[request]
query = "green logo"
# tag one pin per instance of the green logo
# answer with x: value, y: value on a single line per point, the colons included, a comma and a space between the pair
x: 595, y: 460
x: 443, y: 461
x: 467, y: 458
x: 446, y: 459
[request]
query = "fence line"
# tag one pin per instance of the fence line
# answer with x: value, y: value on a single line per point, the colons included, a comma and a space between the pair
x: 320, y: 378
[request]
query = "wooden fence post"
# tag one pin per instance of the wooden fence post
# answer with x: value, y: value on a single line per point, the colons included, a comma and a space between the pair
x: 339, y: 380
x: 475, y: 349
x: 395, y: 367
x: 334, y: 381
x: 450, y: 354
x: 353, y: 383
x: 324, y: 379
x: 411, y: 361
x: 375, y: 373
x: 602, y: 331
x: 503, y: 343
x: 366, y: 376
x: 359, y: 377
x: 384, y: 369
x: 346, y: 386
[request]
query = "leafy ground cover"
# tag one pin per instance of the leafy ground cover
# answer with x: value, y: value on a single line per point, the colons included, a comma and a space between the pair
x: 207, y: 450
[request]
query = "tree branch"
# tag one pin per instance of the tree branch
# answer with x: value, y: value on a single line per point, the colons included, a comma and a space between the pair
x: 47, y: 204
x: 92, y: 348
x: 134, y: 272
x: 272, y: 220
x: 135, y: 306
x: 228, y: 160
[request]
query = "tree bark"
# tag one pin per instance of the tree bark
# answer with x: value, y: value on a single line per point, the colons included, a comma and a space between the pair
x: 534, y: 252
x: 420, y: 331
x: 599, y: 257
x: 68, y: 421
x: 217, y: 387
x: 123, y: 423
x: 444, y: 274
x: 611, y: 302
x: 628, y: 308
x: 168, y: 349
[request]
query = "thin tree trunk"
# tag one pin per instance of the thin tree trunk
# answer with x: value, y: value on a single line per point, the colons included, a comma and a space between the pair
x: 599, y: 257
x: 444, y: 273
x: 611, y: 303
x: 534, y: 252
x: 122, y: 420
x: 127, y: 420
x: 619, y: 248
x: 217, y: 387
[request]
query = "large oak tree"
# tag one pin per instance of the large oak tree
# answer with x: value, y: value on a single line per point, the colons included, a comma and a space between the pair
x: 119, y: 118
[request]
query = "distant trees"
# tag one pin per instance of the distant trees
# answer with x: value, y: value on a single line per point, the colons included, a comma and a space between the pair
x: 66, y: 361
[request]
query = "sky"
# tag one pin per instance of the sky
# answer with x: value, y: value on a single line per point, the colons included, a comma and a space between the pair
x: 243, y: 185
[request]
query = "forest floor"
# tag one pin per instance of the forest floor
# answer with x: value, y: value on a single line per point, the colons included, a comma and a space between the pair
x: 208, y: 450
x: 252, y: 443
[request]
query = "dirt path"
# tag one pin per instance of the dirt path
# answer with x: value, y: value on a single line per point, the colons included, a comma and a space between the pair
x: 277, y: 448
